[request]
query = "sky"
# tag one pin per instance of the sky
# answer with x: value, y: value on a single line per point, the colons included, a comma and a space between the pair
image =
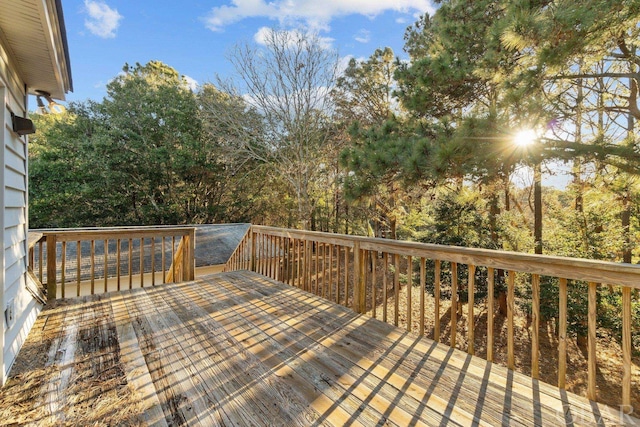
x: 195, y: 36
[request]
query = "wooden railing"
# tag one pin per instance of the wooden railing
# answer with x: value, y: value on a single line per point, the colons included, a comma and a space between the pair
x: 343, y: 269
x: 90, y: 261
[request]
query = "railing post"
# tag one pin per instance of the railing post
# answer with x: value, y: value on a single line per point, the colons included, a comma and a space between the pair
x: 253, y: 250
x: 52, y: 288
x: 359, y: 303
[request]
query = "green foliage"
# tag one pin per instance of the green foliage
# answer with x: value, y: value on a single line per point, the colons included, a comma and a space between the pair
x: 141, y: 156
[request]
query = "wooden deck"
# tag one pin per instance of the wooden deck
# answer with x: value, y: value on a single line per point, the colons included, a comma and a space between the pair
x: 240, y: 349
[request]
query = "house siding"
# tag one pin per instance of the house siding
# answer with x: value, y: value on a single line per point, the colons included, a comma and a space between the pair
x: 13, y: 215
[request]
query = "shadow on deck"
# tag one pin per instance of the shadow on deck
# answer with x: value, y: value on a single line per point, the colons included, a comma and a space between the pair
x: 241, y: 349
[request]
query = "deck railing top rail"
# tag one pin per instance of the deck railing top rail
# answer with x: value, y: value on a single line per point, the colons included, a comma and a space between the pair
x: 74, y: 234
x: 545, y: 265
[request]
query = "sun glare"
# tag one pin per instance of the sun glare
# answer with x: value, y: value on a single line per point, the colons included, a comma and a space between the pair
x: 525, y: 137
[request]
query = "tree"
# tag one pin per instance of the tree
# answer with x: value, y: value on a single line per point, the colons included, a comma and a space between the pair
x: 286, y: 82
x: 141, y: 156
x: 364, y: 102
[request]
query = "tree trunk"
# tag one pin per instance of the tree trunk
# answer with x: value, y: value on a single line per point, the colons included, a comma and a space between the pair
x: 537, y: 203
x: 626, y: 227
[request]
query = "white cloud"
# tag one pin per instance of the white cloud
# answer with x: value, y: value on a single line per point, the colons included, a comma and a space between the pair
x: 262, y: 34
x: 363, y: 36
x: 102, y: 21
x: 343, y: 62
x: 314, y: 14
x: 191, y: 83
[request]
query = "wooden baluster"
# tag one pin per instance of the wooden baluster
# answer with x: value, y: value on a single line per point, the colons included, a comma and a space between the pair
x: 318, y: 267
x: 118, y: 267
x: 374, y: 296
x: 436, y: 295
x: 409, y: 286
x: 338, y: 274
x: 511, y: 284
x: 173, y: 258
x: 331, y: 292
x: 562, y: 334
x: 41, y: 261
x: 258, y: 250
x: 106, y: 264
x: 326, y: 271
x: 248, y: 249
x: 274, y: 257
x: 296, y: 254
x: 423, y: 281
x: 93, y: 266
x: 396, y: 288
x: 316, y: 271
x: 626, y: 350
x: 234, y: 260
x: 163, y: 260
x: 279, y: 259
x: 385, y: 272
x: 267, y: 264
x: 470, y: 306
x: 346, y: 276
x: 285, y: 261
x: 454, y: 303
x: 243, y: 254
x: 306, y: 274
x: 323, y: 271
x: 535, y: 325
x: 284, y: 268
x: 365, y: 276
x: 190, y: 255
x: 78, y: 266
x: 64, y: 266
x: 32, y: 259
x: 131, y: 262
x: 153, y: 261
x: 292, y: 266
x: 52, y: 287
x: 359, y: 287
x: 142, y: 263
x: 490, y: 311
x: 593, y: 310
x: 325, y: 277
x: 269, y: 255
x: 265, y: 255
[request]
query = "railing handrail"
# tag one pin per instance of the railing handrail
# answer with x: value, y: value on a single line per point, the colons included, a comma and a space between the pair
x: 74, y: 234
x: 604, y: 272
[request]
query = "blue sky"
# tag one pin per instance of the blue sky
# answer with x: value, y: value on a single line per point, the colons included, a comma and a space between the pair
x: 193, y: 36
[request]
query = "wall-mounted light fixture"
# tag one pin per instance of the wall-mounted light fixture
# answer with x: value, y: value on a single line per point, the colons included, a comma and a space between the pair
x: 41, y: 108
x: 22, y: 125
x: 54, y: 107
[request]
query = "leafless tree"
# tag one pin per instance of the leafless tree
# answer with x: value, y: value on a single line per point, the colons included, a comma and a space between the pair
x: 285, y: 81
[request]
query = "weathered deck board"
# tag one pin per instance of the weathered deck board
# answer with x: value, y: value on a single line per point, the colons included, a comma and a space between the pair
x: 240, y: 349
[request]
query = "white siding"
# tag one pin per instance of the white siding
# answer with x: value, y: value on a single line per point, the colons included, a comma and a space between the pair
x: 13, y: 214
